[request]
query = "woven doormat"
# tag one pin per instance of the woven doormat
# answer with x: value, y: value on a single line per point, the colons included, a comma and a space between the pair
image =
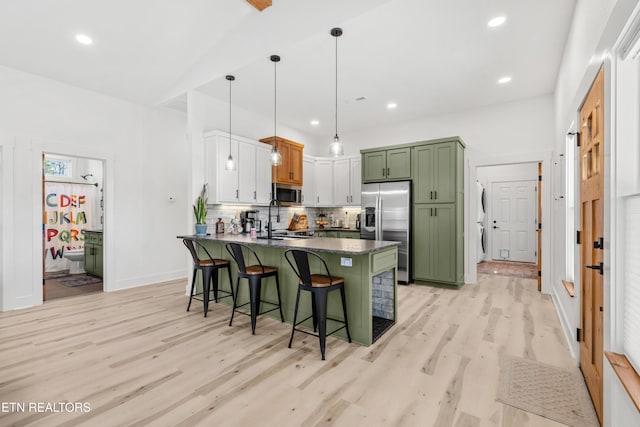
x: 73, y: 281
x: 547, y: 391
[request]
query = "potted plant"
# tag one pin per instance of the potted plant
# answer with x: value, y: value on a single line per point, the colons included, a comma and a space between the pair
x: 200, y: 212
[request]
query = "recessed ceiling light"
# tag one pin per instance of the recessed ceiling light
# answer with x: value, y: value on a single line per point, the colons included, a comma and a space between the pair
x: 497, y: 21
x: 314, y: 122
x: 503, y: 80
x: 391, y: 105
x: 83, y: 39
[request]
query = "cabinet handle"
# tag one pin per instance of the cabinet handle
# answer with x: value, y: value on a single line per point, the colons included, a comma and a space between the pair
x: 430, y: 211
x: 255, y: 196
x: 383, y: 170
x: 435, y: 211
x: 387, y: 171
x: 318, y: 199
x: 435, y: 193
x: 431, y: 195
x: 237, y: 193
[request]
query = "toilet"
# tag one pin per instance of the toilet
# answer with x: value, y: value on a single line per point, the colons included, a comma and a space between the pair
x: 76, y: 258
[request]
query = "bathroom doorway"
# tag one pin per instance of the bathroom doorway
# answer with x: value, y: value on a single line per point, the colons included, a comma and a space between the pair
x: 72, y: 219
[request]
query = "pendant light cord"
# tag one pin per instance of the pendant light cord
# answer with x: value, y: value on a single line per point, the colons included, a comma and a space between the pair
x: 229, y: 117
x: 336, y: 137
x: 275, y: 94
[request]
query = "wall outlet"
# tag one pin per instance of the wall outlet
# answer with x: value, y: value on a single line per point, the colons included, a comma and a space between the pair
x: 346, y: 262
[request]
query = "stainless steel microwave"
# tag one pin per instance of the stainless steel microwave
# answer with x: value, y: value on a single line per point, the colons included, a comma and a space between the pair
x: 288, y: 195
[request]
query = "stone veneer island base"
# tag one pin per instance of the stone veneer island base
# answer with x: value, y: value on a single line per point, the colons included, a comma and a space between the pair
x: 370, y: 279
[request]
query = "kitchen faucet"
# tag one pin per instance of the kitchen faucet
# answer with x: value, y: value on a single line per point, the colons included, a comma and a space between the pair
x: 273, y: 202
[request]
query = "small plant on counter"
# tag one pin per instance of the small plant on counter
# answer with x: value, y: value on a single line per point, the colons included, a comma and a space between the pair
x: 200, y: 208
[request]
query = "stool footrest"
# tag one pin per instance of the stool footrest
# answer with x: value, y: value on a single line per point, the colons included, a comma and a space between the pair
x: 276, y: 307
x: 304, y: 331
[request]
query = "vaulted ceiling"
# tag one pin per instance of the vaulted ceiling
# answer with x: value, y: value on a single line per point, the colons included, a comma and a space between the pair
x: 428, y: 56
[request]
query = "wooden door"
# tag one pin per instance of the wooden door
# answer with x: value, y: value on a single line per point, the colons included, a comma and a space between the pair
x: 591, y: 226
x: 283, y: 172
x: 295, y: 164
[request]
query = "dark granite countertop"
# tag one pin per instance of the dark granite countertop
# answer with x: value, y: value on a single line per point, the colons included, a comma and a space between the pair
x: 320, y: 244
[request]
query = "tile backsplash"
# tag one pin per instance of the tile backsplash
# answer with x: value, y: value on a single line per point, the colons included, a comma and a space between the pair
x: 228, y: 212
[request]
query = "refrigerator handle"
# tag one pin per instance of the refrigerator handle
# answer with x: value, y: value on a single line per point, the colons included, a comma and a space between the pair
x: 379, y: 219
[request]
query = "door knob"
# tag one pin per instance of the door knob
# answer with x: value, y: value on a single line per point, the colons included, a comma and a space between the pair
x: 495, y: 226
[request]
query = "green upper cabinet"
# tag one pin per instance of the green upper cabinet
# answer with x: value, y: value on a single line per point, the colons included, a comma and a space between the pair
x: 374, y: 166
x: 434, y: 172
x: 386, y: 165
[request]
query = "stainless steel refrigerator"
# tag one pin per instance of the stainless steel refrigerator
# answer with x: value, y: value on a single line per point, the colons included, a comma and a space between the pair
x: 386, y: 215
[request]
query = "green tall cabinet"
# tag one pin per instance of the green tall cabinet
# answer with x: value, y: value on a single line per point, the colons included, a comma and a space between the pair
x: 436, y: 171
x: 438, y: 214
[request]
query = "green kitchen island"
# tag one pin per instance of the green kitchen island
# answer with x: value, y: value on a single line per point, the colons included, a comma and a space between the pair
x: 369, y: 268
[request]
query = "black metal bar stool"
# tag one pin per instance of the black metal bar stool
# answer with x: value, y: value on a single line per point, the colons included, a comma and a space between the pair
x: 255, y: 274
x: 209, y: 267
x: 319, y: 285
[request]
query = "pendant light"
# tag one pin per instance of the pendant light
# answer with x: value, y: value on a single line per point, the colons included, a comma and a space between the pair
x: 230, y: 165
x: 276, y: 157
x: 335, y: 148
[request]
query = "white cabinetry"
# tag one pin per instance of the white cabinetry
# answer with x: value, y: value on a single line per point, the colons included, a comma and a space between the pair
x: 250, y: 182
x: 356, y: 181
x: 347, y: 181
x: 331, y: 182
x: 324, y: 182
x: 308, y: 181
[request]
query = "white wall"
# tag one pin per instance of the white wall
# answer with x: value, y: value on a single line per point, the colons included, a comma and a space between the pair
x: 215, y: 116
x: 145, y: 154
x: 596, y: 26
x: 515, y: 132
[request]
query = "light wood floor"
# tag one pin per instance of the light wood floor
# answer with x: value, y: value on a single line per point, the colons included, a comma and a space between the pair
x: 138, y: 358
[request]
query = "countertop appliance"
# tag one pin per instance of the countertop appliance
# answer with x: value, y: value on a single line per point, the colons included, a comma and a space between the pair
x: 386, y: 215
x: 287, y: 195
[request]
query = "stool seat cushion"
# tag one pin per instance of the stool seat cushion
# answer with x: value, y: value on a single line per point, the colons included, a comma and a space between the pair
x: 322, y: 280
x: 256, y: 269
x: 212, y: 262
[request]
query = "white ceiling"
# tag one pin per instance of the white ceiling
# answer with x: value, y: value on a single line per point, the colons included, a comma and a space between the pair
x: 428, y: 56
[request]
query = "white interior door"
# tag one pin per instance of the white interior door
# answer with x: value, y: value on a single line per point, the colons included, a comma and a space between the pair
x: 513, y: 225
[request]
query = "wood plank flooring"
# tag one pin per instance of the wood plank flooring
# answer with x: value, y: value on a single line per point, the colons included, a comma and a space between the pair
x: 136, y: 357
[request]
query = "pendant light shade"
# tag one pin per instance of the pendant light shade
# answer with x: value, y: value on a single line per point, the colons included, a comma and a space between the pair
x: 276, y: 157
x: 230, y: 165
x: 336, y: 148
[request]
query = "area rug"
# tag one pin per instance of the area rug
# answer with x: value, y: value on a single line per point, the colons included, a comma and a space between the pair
x: 78, y: 280
x: 523, y: 270
x: 547, y: 391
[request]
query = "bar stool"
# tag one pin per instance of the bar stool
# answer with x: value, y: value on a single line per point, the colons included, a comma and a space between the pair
x: 319, y: 285
x: 255, y: 274
x: 209, y: 267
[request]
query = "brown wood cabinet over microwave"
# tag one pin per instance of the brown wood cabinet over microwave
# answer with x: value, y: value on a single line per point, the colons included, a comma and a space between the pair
x: 290, y: 171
